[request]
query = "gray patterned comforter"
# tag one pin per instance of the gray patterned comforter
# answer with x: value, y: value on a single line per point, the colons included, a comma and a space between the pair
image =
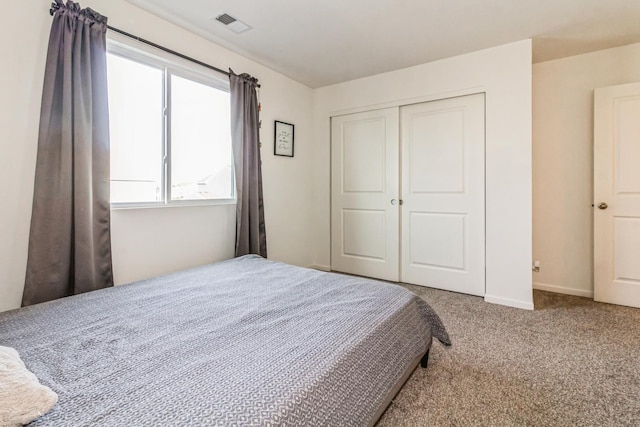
x: 242, y: 342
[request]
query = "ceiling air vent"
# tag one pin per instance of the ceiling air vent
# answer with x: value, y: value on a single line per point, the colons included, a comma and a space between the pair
x: 232, y: 23
x: 226, y: 19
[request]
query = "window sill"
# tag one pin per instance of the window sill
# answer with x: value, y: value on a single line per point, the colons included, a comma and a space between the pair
x: 175, y: 204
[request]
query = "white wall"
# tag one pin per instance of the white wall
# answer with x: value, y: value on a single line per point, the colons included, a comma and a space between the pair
x: 146, y: 242
x: 20, y: 89
x: 504, y: 73
x: 563, y: 162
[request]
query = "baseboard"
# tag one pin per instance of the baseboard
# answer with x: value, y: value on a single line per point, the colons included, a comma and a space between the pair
x: 525, y: 305
x: 321, y: 267
x: 562, y: 290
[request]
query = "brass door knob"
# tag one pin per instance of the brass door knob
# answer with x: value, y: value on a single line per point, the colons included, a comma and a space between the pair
x: 602, y: 205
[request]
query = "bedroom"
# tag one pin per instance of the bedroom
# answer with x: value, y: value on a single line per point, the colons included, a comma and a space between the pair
x: 152, y: 242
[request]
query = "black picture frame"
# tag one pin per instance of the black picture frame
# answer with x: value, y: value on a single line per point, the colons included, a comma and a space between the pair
x: 283, y: 138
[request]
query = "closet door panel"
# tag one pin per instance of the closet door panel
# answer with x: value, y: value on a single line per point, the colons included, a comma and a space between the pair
x: 443, y: 220
x: 364, y: 180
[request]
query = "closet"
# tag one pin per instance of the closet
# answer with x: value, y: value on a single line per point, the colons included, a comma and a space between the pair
x: 408, y: 194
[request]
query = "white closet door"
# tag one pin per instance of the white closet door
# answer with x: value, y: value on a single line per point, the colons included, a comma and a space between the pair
x: 365, y: 193
x: 443, y: 218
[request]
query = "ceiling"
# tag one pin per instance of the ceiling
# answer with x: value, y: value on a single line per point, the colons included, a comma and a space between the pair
x: 323, y: 42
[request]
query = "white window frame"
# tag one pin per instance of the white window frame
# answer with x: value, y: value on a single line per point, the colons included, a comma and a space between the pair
x: 170, y: 65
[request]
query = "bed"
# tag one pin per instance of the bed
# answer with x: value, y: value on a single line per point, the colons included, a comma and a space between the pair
x: 246, y: 341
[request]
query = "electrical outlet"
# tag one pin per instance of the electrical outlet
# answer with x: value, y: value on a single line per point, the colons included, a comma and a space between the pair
x: 536, y: 266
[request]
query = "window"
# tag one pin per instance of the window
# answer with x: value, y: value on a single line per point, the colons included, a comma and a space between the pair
x: 170, y: 132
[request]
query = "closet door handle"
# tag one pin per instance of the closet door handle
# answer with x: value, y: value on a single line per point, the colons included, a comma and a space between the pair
x: 394, y: 202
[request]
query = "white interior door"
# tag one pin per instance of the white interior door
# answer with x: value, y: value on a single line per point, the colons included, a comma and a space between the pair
x: 364, y: 186
x: 617, y: 195
x: 443, y: 212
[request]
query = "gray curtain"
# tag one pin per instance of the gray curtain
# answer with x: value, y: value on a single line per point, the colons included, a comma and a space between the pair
x: 251, y: 236
x: 70, y: 243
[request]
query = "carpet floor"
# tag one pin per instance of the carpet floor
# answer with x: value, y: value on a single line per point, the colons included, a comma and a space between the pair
x: 570, y: 362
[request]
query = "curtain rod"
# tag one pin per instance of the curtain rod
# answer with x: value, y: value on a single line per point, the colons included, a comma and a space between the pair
x: 54, y: 7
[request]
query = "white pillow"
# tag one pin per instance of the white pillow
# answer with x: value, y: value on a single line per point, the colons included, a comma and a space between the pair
x: 22, y: 397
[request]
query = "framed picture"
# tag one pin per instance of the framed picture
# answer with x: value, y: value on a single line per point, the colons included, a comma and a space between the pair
x: 283, y: 139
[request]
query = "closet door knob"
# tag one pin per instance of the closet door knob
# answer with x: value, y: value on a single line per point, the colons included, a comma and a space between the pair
x: 602, y: 205
x: 394, y: 202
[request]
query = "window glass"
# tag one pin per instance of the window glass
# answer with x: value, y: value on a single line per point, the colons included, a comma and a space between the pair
x: 200, y: 141
x: 170, y: 133
x: 135, y: 117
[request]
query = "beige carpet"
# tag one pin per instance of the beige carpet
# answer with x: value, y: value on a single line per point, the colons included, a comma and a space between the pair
x: 570, y: 362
